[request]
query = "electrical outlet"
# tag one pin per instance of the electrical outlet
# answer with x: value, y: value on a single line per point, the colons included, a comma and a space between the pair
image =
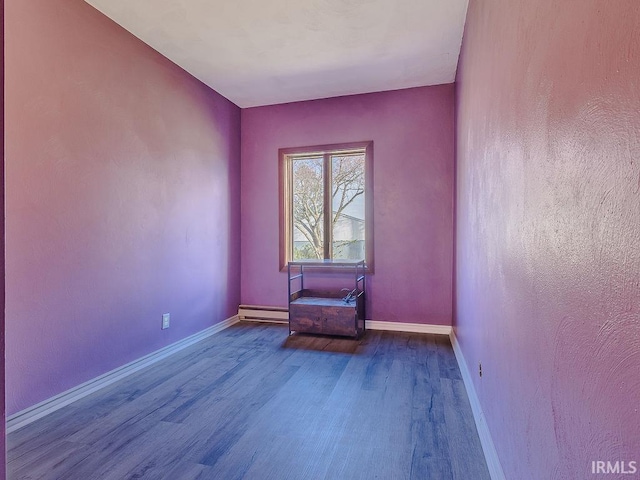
x: 480, y: 369
x: 166, y: 319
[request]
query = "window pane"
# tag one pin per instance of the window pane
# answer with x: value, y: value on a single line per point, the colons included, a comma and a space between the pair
x: 307, y: 208
x: 348, y: 197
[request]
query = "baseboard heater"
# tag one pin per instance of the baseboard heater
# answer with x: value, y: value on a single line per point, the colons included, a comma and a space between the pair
x: 263, y: 314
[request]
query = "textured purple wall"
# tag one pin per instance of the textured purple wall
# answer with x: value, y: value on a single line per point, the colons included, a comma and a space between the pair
x: 413, y: 137
x: 122, y: 199
x: 548, y: 230
x: 2, y: 296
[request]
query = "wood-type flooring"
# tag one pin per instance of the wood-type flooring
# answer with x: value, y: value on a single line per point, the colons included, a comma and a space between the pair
x: 252, y: 403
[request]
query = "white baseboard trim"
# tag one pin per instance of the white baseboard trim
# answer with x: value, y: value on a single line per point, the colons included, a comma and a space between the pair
x: 281, y: 315
x: 490, y: 453
x: 33, y: 413
x: 408, y: 327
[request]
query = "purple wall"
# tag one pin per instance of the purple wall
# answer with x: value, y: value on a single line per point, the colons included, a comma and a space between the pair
x: 548, y: 230
x: 122, y: 199
x: 413, y: 137
x: 2, y: 297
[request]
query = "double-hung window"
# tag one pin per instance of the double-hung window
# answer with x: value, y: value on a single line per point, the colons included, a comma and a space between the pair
x: 326, y: 203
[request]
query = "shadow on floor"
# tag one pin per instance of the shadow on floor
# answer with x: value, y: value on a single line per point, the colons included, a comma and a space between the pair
x: 322, y: 343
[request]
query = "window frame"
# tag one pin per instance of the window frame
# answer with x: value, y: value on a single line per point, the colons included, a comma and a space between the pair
x: 286, y: 187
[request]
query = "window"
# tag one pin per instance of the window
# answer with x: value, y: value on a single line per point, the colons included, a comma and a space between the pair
x: 326, y: 203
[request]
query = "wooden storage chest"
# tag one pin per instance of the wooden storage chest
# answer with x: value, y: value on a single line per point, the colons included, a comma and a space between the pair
x: 327, y: 312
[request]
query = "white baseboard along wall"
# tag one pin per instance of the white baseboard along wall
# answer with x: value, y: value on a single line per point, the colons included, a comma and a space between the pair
x: 488, y: 447
x: 281, y: 315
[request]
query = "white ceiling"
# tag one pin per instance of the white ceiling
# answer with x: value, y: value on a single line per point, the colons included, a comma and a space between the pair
x: 262, y: 52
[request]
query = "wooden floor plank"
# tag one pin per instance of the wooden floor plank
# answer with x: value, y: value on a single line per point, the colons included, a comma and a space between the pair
x: 252, y: 402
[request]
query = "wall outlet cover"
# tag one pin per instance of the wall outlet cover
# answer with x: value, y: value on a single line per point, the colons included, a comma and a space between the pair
x: 166, y: 320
